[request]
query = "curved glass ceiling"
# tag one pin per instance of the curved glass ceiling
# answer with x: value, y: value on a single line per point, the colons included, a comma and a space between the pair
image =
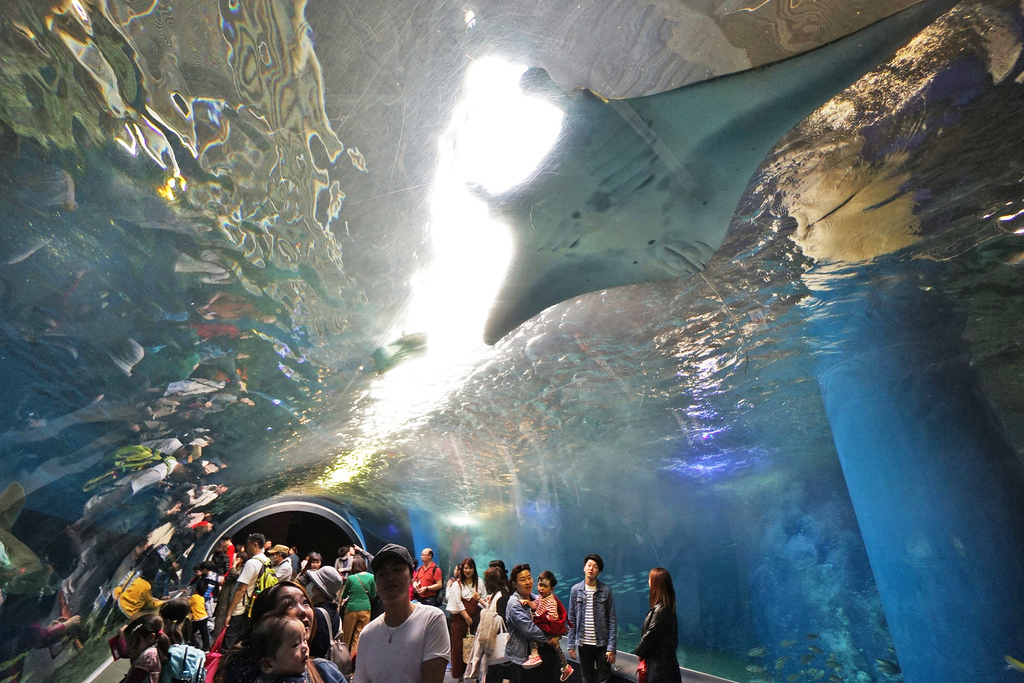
x: 730, y: 288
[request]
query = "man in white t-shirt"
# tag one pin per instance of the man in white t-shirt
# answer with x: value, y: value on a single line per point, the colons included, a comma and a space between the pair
x: 237, y: 615
x: 409, y: 643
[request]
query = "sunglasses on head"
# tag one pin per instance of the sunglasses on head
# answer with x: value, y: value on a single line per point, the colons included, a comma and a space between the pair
x: 518, y: 569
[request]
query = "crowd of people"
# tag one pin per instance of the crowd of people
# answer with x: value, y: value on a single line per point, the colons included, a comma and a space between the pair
x: 384, y: 617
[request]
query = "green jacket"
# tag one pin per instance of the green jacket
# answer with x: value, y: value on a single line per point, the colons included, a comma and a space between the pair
x: 359, y: 588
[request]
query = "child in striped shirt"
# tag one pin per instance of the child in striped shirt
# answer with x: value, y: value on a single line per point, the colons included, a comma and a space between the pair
x: 550, y: 616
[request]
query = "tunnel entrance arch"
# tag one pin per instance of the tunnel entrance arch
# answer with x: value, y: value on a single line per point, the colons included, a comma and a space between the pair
x: 309, y: 523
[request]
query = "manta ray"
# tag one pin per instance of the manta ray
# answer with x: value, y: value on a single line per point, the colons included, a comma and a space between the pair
x: 644, y: 189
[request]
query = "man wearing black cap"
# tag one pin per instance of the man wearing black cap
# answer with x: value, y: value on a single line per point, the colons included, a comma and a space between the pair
x: 409, y: 642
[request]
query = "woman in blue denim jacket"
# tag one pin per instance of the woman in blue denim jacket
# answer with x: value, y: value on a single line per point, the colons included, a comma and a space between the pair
x: 522, y: 631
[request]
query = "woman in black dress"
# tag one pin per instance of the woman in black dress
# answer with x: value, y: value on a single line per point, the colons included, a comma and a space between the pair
x: 660, y: 636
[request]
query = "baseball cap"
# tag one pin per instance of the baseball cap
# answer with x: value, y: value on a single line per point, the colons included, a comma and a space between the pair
x: 392, y: 550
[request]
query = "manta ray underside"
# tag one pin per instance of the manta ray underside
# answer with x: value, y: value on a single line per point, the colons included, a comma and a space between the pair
x: 644, y: 189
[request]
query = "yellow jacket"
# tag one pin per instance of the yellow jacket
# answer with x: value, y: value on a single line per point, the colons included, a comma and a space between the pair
x: 198, y: 606
x: 137, y: 597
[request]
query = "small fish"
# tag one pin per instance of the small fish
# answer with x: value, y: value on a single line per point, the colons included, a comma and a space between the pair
x: 812, y: 671
x: 781, y: 662
x: 788, y: 643
x: 811, y: 636
x: 834, y: 679
x: 887, y: 667
x: 792, y: 677
x: 807, y: 659
x: 833, y: 664
x: 755, y: 669
x: 1015, y: 664
x: 815, y: 650
x: 358, y: 160
x: 757, y: 652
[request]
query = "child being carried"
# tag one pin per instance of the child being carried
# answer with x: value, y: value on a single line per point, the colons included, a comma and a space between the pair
x: 550, y: 616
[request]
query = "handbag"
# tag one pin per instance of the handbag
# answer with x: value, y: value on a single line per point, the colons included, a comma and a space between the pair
x: 338, y: 652
x: 376, y: 604
x: 498, y: 655
x: 213, y: 656
x: 467, y: 647
x: 641, y: 671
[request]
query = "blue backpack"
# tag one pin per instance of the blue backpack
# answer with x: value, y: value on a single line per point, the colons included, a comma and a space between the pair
x: 185, y: 664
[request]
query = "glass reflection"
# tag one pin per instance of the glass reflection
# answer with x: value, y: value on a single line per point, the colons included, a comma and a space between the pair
x: 204, y: 302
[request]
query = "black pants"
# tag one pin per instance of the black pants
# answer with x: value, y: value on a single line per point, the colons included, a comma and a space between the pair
x: 201, y: 633
x: 594, y: 666
x: 236, y: 628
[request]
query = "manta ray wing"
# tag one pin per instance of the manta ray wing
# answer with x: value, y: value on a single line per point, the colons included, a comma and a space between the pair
x: 644, y: 189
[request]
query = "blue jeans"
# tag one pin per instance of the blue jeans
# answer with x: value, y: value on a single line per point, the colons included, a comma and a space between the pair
x: 594, y: 666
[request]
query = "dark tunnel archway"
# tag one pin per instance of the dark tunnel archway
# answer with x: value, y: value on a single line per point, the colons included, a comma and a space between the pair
x: 310, y: 524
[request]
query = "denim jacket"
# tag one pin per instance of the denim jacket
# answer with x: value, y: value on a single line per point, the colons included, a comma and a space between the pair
x: 521, y: 629
x: 604, y: 616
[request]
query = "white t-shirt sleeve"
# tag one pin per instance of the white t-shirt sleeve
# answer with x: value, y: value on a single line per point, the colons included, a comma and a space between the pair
x: 250, y: 570
x: 436, y: 642
x: 455, y: 598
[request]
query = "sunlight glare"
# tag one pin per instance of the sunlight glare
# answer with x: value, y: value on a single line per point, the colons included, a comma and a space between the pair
x: 496, y: 139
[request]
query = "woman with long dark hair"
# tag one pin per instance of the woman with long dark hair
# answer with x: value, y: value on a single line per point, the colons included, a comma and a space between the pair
x: 660, y: 636
x: 464, y: 598
x: 357, y: 596
x: 496, y: 585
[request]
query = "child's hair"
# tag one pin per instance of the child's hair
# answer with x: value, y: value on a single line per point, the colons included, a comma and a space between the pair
x: 177, y: 626
x: 150, y: 624
x: 268, y: 635
x: 549, y: 577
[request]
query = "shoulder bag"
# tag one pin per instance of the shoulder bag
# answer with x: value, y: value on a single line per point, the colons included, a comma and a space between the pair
x: 497, y: 653
x: 338, y: 653
x: 376, y: 606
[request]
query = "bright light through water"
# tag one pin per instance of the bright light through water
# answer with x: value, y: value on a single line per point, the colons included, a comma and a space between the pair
x: 496, y: 138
